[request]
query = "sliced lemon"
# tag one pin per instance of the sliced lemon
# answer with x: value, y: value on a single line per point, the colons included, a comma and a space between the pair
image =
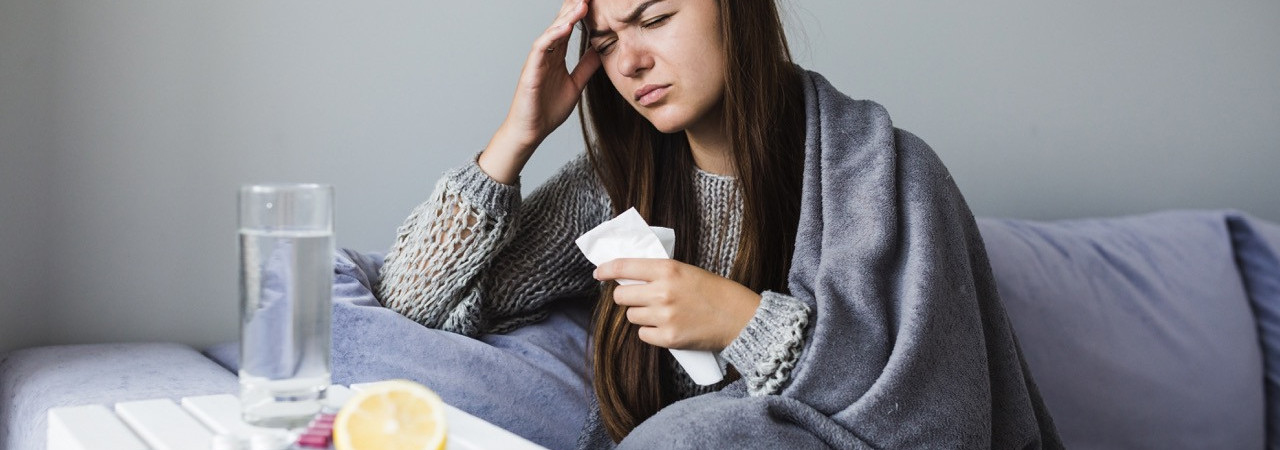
x: 392, y: 415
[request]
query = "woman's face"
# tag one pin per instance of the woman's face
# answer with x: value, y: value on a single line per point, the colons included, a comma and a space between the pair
x: 664, y: 56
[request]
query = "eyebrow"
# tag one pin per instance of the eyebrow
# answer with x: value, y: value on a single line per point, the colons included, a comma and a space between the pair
x: 631, y: 18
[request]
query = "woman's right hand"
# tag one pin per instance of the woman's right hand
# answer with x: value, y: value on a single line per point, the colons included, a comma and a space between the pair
x: 544, y: 98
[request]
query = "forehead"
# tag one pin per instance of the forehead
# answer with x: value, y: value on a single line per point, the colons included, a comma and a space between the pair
x: 605, y: 13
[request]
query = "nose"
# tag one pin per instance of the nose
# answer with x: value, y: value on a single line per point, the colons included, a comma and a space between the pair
x: 633, y: 59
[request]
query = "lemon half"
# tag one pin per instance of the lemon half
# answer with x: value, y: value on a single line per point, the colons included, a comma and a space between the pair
x: 392, y: 415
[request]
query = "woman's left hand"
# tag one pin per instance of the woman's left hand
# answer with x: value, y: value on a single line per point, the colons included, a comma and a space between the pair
x: 681, y: 306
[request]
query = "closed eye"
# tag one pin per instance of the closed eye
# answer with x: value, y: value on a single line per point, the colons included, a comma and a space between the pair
x: 655, y: 22
x: 604, y: 47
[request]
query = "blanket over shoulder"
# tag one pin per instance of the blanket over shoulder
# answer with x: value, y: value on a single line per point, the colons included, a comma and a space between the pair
x: 909, y: 345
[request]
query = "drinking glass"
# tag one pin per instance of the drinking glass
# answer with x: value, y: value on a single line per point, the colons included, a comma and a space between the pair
x: 286, y: 283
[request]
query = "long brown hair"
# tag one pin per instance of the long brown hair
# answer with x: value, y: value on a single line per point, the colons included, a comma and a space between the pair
x: 641, y: 167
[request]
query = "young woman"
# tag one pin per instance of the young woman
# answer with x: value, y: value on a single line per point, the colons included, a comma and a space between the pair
x: 826, y: 255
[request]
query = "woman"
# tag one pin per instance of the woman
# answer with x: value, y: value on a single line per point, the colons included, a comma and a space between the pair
x: 826, y: 255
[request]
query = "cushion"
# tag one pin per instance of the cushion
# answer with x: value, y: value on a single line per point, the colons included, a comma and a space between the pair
x: 36, y: 379
x: 1270, y: 232
x: 1138, y: 330
x: 1257, y: 245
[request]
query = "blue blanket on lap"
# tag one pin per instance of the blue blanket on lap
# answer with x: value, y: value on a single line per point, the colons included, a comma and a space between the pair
x: 533, y: 381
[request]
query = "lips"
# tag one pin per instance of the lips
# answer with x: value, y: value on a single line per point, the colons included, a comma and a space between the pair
x: 651, y: 93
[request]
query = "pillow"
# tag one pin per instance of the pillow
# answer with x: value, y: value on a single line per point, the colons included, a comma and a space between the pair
x: 1257, y: 245
x: 1137, y: 330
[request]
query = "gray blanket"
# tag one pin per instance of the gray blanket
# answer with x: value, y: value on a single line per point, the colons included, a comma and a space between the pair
x: 910, y: 346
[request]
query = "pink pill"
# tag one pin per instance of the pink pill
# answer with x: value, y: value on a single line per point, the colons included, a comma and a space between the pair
x: 314, y: 440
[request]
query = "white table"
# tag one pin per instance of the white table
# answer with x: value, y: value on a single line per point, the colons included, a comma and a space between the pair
x: 193, y: 422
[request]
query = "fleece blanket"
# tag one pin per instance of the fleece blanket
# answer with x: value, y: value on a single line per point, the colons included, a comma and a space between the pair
x: 909, y: 346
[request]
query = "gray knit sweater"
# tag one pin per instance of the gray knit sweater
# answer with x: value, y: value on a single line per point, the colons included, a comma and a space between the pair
x: 475, y: 258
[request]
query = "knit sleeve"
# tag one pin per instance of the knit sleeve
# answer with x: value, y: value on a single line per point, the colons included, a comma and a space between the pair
x: 475, y: 258
x: 768, y: 348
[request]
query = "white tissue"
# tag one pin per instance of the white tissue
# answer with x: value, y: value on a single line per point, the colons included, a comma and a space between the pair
x: 628, y: 236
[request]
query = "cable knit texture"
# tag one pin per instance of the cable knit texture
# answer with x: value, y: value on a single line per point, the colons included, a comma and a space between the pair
x: 767, y: 349
x: 474, y: 259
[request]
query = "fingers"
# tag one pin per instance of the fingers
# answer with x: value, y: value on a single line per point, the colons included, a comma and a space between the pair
x: 639, y: 295
x: 567, y: 8
x: 556, y: 37
x: 572, y: 12
x: 657, y: 337
x: 641, y: 269
x: 587, y: 66
x: 649, y: 331
x: 644, y: 317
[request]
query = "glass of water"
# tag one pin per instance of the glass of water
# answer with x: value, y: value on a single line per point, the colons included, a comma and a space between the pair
x: 286, y: 283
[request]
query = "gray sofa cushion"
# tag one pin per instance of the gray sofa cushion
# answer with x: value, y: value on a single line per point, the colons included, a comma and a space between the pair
x: 1138, y: 330
x: 36, y: 379
x: 1257, y: 245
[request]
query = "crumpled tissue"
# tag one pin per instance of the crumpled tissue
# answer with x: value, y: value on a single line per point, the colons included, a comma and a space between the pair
x: 629, y: 236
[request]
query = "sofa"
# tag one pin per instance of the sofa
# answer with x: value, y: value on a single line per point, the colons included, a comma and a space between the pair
x: 1159, y: 330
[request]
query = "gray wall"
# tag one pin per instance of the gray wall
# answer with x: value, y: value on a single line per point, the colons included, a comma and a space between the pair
x: 26, y: 167
x: 126, y: 126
